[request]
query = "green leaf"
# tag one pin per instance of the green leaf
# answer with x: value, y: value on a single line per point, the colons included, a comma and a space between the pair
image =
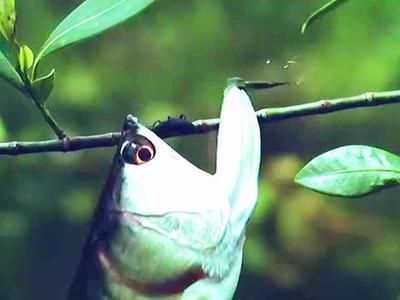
x: 3, y: 130
x: 351, y: 171
x: 5, y: 47
x: 25, y: 59
x: 328, y: 7
x: 7, y: 18
x: 8, y: 72
x: 91, y: 18
x: 42, y: 87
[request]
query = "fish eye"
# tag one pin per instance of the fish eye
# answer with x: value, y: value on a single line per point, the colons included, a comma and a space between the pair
x: 137, y: 153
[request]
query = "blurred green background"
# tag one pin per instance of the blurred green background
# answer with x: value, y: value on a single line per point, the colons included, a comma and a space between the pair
x: 174, y: 58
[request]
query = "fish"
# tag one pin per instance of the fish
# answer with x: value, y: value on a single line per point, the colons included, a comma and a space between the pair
x: 165, y: 229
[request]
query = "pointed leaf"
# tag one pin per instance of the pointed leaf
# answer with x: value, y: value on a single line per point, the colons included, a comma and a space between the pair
x: 25, y: 59
x: 7, y: 18
x: 42, y: 87
x: 89, y: 19
x: 8, y: 72
x: 328, y: 7
x: 351, y: 171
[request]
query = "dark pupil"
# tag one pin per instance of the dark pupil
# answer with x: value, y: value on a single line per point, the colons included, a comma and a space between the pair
x: 144, y: 154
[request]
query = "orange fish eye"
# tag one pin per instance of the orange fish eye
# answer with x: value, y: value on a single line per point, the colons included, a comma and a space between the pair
x: 143, y: 154
x: 137, y: 154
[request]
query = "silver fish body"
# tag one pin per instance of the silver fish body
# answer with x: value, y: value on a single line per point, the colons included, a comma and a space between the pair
x: 165, y: 229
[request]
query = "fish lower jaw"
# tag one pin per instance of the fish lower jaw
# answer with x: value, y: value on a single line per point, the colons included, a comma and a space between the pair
x: 167, y: 288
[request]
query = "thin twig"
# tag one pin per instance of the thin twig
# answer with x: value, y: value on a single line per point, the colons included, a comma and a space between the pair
x: 60, y: 133
x: 170, y: 128
x: 50, y: 120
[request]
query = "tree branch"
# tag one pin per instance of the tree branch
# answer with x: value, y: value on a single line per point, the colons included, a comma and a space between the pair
x: 180, y: 127
x: 64, y: 145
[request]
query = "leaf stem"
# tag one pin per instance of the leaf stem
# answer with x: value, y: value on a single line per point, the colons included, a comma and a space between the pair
x: 60, y: 133
x: 50, y: 120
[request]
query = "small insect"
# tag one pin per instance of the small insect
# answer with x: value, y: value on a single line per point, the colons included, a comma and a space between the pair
x: 255, y: 84
x: 173, y: 126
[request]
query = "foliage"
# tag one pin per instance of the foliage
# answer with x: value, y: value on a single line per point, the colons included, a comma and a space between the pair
x: 351, y: 171
x: 89, y: 19
x: 328, y: 7
x: 7, y: 18
x: 9, y: 73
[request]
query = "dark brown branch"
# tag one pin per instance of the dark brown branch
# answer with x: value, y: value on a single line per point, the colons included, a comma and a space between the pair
x: 172, y: 127
x: 64, y: 145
